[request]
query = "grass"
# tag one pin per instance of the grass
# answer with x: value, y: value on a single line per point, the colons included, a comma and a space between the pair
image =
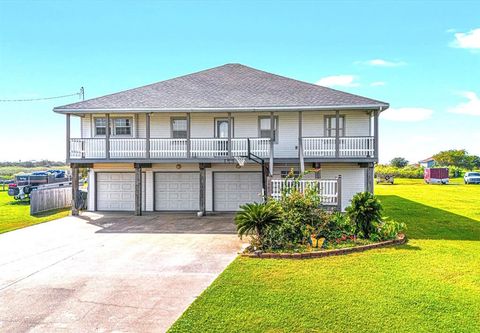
x: 431, y: 284
x: 16, y: 214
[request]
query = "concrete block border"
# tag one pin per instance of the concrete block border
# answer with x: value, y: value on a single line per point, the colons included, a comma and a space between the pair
x: 401, y: 239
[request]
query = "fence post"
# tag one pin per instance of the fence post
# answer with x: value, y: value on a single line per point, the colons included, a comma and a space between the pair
x: 339, y: 193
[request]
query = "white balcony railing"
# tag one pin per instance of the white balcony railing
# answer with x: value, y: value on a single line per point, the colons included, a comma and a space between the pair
x: 127, y: 148
x: 354, y: 147
x: 327, y: 188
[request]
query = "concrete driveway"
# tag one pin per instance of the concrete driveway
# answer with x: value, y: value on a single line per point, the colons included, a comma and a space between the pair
x: 110, y: 272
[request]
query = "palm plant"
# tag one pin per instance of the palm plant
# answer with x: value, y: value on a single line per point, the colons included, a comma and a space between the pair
x: 255, y: 218
x: 366, y: 212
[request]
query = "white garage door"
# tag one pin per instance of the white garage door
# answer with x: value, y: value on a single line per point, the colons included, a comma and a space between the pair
x: 116, y: 191
x: 177, y: 191
x: 232, y: 189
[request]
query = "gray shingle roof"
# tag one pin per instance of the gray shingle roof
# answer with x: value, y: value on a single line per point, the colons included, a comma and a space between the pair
x: 229, y: 87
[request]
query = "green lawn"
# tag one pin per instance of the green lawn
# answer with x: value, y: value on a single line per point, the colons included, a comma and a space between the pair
x: 431, y: 284
x: 16, y: 214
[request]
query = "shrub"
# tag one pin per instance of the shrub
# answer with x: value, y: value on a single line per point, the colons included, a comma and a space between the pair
x: 388, y: 229
x: 365, y: 212
x: 254, y: 218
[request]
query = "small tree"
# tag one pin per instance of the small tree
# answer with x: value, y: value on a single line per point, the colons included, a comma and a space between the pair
x: 399, y: 162
x: 254, y: 218
x: 366, y: 212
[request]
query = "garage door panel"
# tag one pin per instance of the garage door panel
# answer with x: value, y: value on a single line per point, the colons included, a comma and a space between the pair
x: 177, y: 191
x: 116, y: 191
x: 233, y: 189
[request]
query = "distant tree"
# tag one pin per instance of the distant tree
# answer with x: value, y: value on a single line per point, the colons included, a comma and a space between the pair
x: 399, y: 162
x: 456, y: 157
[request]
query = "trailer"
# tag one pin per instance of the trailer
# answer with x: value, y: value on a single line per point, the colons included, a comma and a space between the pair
x: 436, y: 176
x: 25, y: 183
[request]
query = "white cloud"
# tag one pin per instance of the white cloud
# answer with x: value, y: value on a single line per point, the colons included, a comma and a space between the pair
x: 467, y: 40
x: 382, y: 63
x: 470, y: 107
x: 338, y: 81
x: 409, y: 114
x: 377, y: 84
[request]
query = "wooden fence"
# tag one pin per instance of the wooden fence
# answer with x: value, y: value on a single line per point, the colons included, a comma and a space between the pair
x: 42, y: 200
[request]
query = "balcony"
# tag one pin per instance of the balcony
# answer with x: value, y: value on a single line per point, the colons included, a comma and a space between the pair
x: 159, y: 148
x: 346, y: 147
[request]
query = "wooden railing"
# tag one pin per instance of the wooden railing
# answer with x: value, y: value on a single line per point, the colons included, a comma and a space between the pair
x: 350, y: 146
x: 127, y: 148
x: 328, y: 189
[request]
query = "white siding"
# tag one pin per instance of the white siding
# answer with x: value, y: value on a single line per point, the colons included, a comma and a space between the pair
x: 86, y: 126
x: 353, y: 179
x: 357, y: 123
x: 287, y: 145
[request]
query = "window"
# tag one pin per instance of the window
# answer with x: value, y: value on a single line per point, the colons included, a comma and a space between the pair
x: 264, y: 127
x: 179, y: 128
x: 100, y: 126
x: 122, y: 126
x: 331, y: 126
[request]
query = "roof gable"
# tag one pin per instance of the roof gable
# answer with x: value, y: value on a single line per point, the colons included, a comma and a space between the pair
x: 231, y: 86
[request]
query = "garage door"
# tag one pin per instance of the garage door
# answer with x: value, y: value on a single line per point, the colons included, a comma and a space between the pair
x: 177, y: 191
x: 232, y: 189
x: 116, y: 191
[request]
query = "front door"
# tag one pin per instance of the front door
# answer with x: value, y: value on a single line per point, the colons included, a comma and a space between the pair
x: 221, y: 132
x: 222, y: 128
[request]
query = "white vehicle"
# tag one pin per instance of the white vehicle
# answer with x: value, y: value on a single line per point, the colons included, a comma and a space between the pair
x: 472, y: 178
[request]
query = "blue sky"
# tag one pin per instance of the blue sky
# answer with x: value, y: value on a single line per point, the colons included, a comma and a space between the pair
x: 421, y: 57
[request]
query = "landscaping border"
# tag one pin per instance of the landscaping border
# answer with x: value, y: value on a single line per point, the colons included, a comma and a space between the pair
x: 401, y: 239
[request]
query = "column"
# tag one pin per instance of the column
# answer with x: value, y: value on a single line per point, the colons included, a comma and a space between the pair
x: 272, y: 139
x: 138, y: 190
x: 107, y: 137
x: 75, y: 189
x: 202, y: 195
x: 68, y: 137
x: 189, y: 144
x: 300, y: 141
x: 337, y: 134
x: 375, y: 138
x: 147, y: 136
x: 229, y: 135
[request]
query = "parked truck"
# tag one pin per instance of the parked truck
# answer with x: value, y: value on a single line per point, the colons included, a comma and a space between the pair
x: 436, y: 176
x: 25, y: 183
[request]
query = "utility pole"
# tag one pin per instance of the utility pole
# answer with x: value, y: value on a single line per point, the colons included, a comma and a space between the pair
x: 82, y: 93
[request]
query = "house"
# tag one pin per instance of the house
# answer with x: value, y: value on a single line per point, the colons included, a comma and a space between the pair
x: 427, y: 163
x: 221, y: 137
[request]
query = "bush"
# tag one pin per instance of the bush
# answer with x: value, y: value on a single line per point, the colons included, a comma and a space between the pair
x: 365, y: 212
x: 388, y: 229
x: 254, y: 219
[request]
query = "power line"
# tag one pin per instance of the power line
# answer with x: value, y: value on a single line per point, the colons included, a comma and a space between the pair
x: 80, y: 94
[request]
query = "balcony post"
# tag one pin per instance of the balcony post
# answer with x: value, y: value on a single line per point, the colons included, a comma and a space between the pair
x: 272, y: 139
x: 147, y: 135
x: 337, y: 134
x: 229, y: 135
x: 189, y: 144
x: 107, y: 136
x: 300, y: 141
x: 68, y: 137
x: 375, y: 134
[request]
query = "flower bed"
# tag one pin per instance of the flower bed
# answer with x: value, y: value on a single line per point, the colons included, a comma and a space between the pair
x: 297, y: 224
x: 401, y: 239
